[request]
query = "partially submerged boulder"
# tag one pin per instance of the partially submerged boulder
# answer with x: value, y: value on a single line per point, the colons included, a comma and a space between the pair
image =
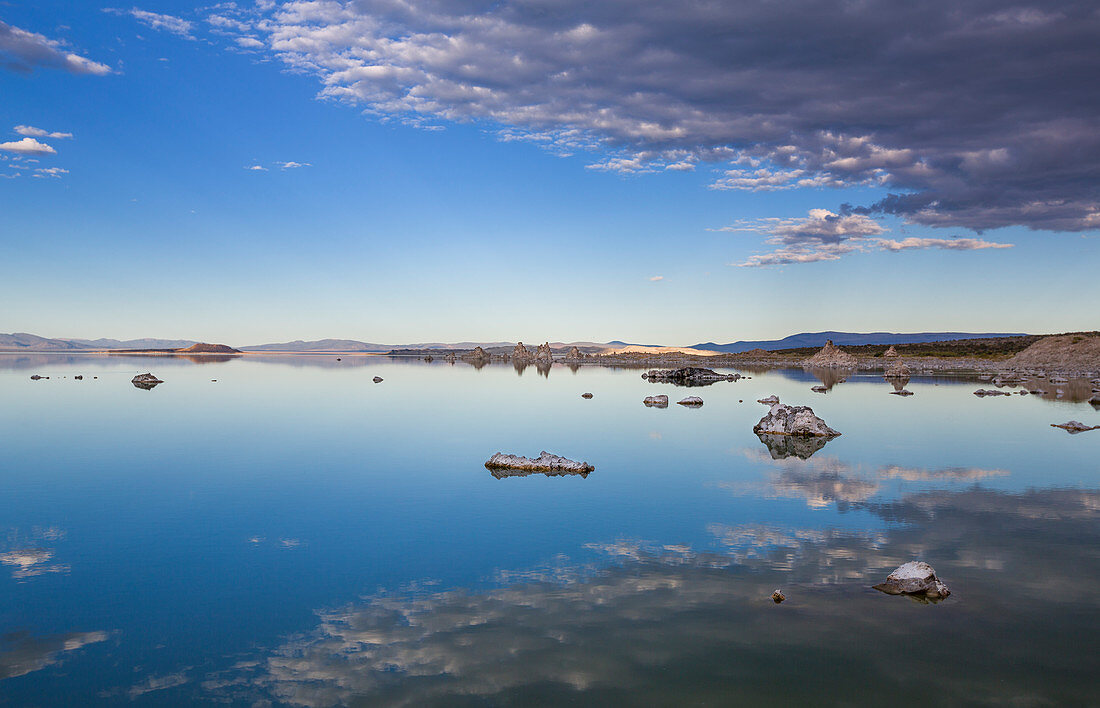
x: 769, y: 401
x: 145, y: 381
x: 819, y: 389
x: 778, y: 597
x: 586, y: 395
x: 1074, y: 426
x: 377, y: 379
x: 982, y: 392
x: 478, y: 354
x: 793, y: 420
x: 547, y: 463
x: 914, y: 578
x: 656, y: 401
x: 693, y: 401
x: 688, y: 376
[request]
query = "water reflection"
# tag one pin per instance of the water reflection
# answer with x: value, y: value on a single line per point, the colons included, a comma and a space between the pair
x: 783, y: 446
x: 501, y: 473
x: 677, y: 625
x: 21, y: 653
x: 829, y: 376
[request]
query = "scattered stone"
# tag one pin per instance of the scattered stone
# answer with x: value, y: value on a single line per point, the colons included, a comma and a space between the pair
x: 769, y: 401
x: 793, y: 420
x: 891, y: 351
x: 145, y: 381
x: 1058, y: 380
x: 1074, y: 426
x: 586, y: 395
x: 901, y: 392
x: 656, y: 401
x: 831, y: 356
x: 691, y: 401
x: 778, y: 597
x: 982, y: 392
x: 547, y: 463
x: 377, y: 379
x: 914, y: 578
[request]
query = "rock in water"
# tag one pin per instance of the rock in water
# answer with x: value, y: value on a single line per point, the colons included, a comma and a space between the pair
x: 574, y: 354
x: 656, y: 401
x: 819, y: 389
x: 520, y: 353
x: 689, y: 376
x: 586, y: 395
x: 546, y: 462
x: 1074, y: 426
x: 145, y: 381
x: 769, y: 401
x: 793, y: 420
x: 982, y: 392
x: 478, y: 354
x: 778, y: 597
x: 914, y: 578
x: 694, y: 401
x: 544, y: 353
x: 905, y: 392
x: 377, y: 379
x: 897, y: 370
x: 831, y: 356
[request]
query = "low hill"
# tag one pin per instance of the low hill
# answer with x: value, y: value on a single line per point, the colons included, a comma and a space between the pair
x: 320, y: 345
x: 1076, y: 350
x: 845, y: 339
x: 203, y: 348
x: 23, y: 342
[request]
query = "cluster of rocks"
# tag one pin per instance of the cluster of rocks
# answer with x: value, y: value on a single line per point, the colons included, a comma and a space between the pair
x: 983, y: 392
x: 688, y: 376
x: 478, y: 354
x: 547, y: 463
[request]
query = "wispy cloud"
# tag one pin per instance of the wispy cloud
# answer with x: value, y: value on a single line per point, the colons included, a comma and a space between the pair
x: 157, y: 21
x: 28, y: 146
x: 657, y: 278
x: 256, y: 168
x: 33, y: 132
x: 22, y: 51
x: 291, y: 165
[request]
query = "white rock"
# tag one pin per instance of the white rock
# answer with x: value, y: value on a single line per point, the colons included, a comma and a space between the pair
x: 914, y: 578
x: 769, y: 401
x: 656, y: 401
x: 793, y: 420
x: 545, y: 462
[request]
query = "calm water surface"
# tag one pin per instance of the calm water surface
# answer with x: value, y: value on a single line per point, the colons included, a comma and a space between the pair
x: 294, y: 534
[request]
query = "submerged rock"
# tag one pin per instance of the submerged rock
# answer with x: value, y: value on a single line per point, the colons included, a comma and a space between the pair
x: 914, y: 578
x: 1075, y: 426
x: 690, y: 401
x: 769, y: 401
x: 547, y: 463
x: 793, y: 420
x: 145, y: 381
x: 656, y: 401
x: 780, y: 447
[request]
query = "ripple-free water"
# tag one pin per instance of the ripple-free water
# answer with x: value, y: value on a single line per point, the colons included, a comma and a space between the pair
x: 295, y: 534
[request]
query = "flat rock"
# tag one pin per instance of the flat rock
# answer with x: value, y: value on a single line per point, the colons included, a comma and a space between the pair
x: 690, y: 401
x: 656, y: 401
x: 793, y: 420
x: 689, y: 376
x: 1075, y: 426
x: 914, y: 578
x: 546, y: 462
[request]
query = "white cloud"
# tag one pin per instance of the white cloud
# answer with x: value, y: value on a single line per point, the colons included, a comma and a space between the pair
x: 250, y: 43
x: 157, y: 21
x: 28, y: 146
x: 33, y: 132
x: 290, y: 165
x: 656, y: 278
x: 50, y: 172
x: 951, y: 244
x: 21, y: 51
x: 257, y: 168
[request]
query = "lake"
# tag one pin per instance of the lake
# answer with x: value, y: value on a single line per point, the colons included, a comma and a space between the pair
x: 280, y: 530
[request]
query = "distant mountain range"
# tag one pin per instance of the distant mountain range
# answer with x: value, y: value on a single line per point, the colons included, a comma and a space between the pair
x: 22, y: 341
x: 818, y: 339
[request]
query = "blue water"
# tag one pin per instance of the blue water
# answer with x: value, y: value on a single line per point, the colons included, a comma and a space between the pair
x: 295, y: 534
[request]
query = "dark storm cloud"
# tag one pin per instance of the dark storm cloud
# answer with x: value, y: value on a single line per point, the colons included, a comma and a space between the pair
x: 972, y: 113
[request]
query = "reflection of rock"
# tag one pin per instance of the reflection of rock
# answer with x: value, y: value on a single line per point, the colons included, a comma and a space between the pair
x: 22, y: 653
x: 688, y: 376
x: 1074, y: 426
x: 692, y: 401
x: 914, y: 578
x: 656, y: 401
x: 145, y: 381
x: 783, y: 446
x: 546, y: 463
x: 793, y: 420
x: 819, y: 389
x: 831, y: 356
x: 828, y: 377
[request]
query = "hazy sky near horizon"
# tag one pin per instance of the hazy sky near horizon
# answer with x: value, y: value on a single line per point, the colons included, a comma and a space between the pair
x: 547, y: 169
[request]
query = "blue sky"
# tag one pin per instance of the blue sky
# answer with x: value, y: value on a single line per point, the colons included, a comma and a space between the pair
x: 541, y: 170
